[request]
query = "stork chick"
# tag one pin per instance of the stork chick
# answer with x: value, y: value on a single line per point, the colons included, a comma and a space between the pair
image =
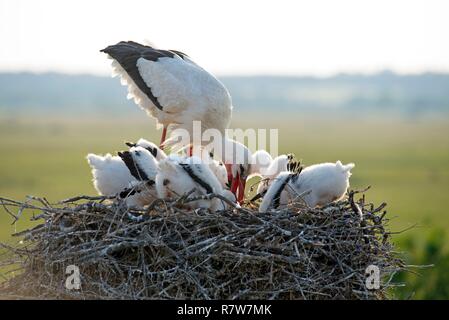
x: 316, y: 185
x: 129, y: 175
x: 179, y: 175
x: 285, y: 162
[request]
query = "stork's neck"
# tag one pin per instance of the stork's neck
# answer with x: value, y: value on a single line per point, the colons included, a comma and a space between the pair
x: 230, y: 151
x: 261, y: 160
x: 278, y: 165
x: 236, y: 152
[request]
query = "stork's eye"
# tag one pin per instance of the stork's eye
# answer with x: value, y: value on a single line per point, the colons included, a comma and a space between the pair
x: 165, y: 182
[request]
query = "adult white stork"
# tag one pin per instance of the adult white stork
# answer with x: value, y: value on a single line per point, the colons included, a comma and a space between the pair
x: 170, y: 87
x: 176, y: 91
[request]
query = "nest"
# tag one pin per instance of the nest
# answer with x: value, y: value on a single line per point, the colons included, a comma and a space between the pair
x: 167, y: 252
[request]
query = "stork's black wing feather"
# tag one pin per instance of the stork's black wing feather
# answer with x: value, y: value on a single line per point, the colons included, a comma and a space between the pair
x: 126, y: 53
x: 188, y: 169
x: 277, y: 195
x: 133, y: 167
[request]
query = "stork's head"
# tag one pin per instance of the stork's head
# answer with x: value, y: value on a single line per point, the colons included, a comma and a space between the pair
x: 285, y: 162
x: 237, y: 159
x: 151, y: 147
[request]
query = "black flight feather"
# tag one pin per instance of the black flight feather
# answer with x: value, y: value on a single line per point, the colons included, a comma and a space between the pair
x: 195, y: 178
x: 277, y: 195
x: 133, y: 167
x: 126, y: 53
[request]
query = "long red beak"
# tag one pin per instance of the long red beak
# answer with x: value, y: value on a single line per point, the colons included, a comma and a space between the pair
x: 235, y: 184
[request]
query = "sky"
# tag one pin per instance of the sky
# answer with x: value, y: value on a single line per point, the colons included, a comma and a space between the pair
x: 231, y: 37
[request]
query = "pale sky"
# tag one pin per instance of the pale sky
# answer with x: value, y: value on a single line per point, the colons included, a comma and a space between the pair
x: 312, y: 37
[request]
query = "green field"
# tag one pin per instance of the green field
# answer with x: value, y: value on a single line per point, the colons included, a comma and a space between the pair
x: 405, y: 161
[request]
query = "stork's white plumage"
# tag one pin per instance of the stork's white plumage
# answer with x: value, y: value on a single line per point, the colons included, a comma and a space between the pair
x: 180, y: 175
x: 261, y: 161
x: 219, y: 170
x: 129, y: 175
x: 171, y: 87
x: 217, y: 167
x: 317, y: 185
x: 110, y: 174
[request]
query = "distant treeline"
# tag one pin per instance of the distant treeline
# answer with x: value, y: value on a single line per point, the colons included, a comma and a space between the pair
x: 384, y: 92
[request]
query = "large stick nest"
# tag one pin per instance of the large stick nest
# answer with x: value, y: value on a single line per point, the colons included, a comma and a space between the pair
x: 167, y: 252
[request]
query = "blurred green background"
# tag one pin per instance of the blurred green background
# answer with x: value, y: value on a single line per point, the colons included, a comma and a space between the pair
x: 401, y: 151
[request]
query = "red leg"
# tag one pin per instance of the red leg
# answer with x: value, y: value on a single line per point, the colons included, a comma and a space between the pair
x: 190, y: 152
x: 164, y: 135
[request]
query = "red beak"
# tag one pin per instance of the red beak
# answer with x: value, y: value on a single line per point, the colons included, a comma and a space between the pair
x: 235, y: 184
x: 241, y: 195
